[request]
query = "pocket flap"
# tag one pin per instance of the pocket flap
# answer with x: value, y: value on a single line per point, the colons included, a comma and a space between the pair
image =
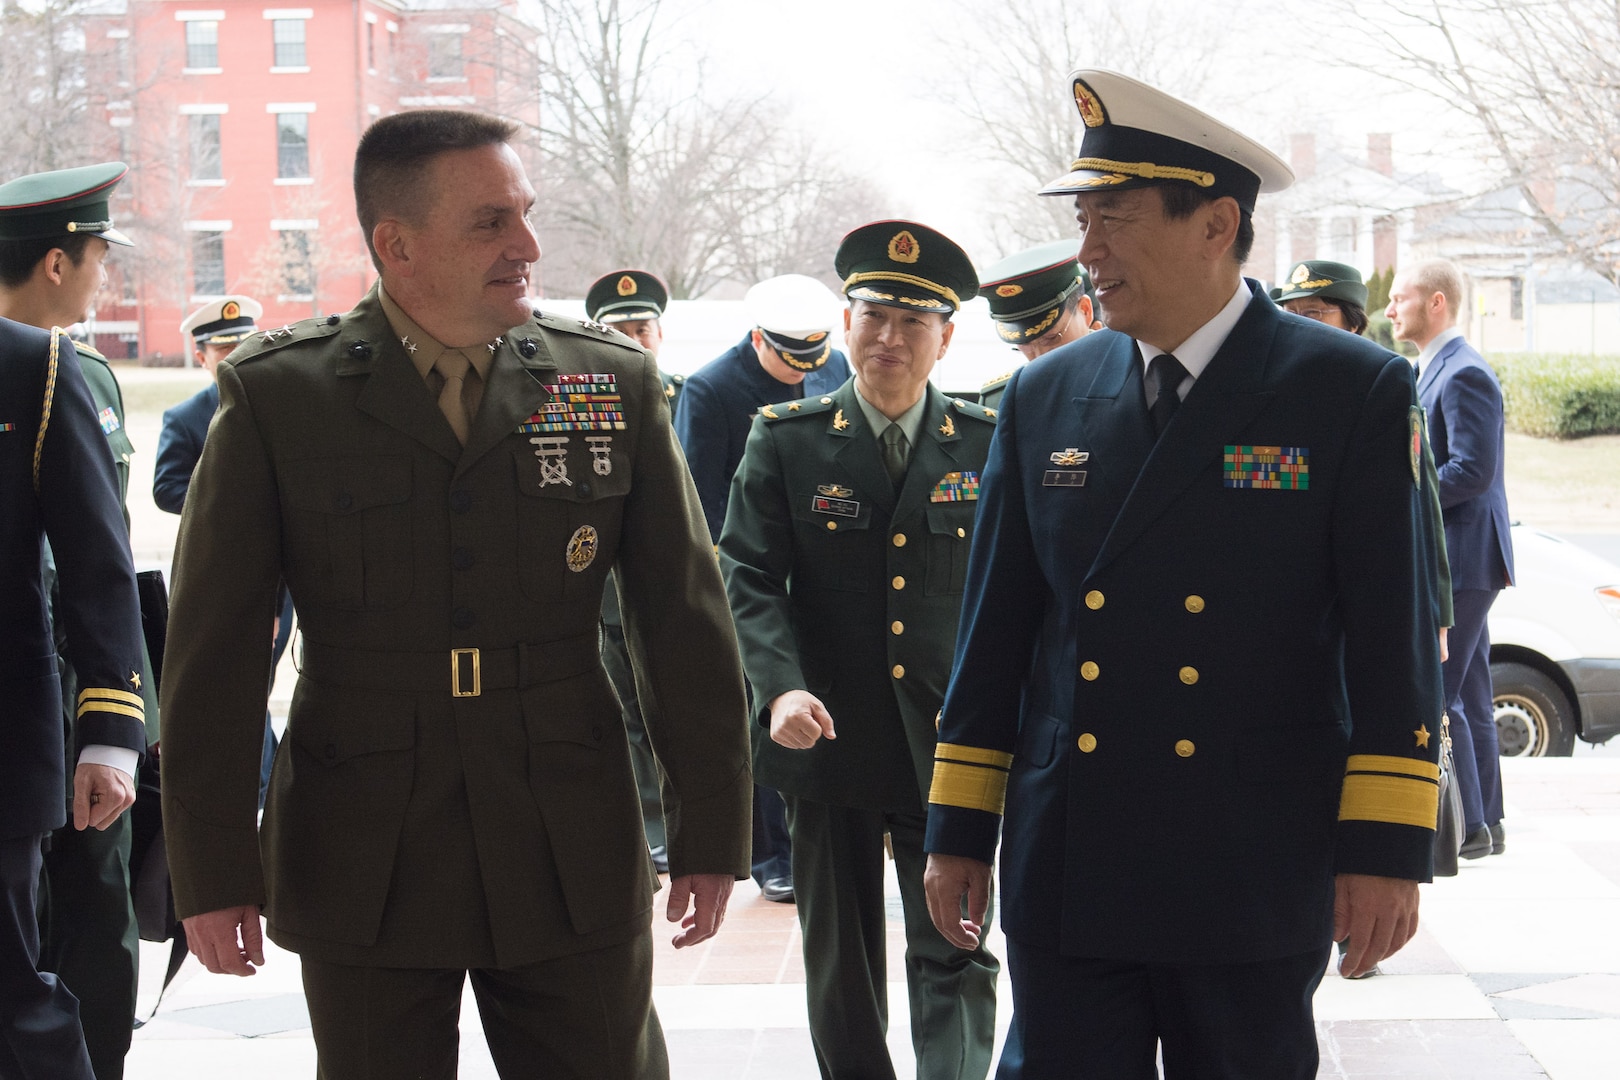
x: 570, y: 474
x: 346, y: 485
x: 333, y: 737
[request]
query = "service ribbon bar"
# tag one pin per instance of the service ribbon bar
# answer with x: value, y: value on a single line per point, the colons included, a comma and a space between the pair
x: 579, y: 403
x: 956, y: 487
x: 1283, y: 468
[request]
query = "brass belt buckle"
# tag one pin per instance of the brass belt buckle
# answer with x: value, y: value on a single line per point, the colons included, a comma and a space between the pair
x: 455, y: 673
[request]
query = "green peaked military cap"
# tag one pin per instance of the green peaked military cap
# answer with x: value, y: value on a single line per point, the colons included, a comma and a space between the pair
x: 1138, y: 136
x: 66, y: 202
x: 626, y: 296
x: 904, y: 264
x: 1329, y: 280
x: 1026, y: 291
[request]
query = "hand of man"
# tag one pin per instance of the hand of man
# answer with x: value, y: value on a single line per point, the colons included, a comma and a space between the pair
x: 229, y: 941
x: 707, y: 894
x: 947, y: 879
x: 1377, y: 914
x: 100, y: 794
x: 799, y: 719
x: 1445, y: 653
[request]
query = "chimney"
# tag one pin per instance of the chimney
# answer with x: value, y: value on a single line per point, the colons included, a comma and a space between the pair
x: 1381, y: 152
x: 1302, y: 155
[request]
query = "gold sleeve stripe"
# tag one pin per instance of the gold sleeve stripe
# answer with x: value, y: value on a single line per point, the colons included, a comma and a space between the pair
x: 107, y: 707
x: 971, y: 787
x: 1380, y: 763
x: 111, y: 695
x: 973, y: 755
x: 1396, y: 800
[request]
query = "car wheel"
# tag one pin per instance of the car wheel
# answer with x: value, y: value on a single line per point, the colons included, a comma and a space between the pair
x: 1534, y: 717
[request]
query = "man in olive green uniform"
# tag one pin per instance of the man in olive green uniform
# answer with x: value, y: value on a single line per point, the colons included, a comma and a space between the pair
x: 844, y: 549
x: 1039, y: 299
x: 445, y: 479
x: 55, y: 232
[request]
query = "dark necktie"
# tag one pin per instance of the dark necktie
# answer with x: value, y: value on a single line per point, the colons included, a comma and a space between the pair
x: 1165, y: 372
x: 894, y: 453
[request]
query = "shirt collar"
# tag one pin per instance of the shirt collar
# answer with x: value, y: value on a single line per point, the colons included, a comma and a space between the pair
x: 421, y: 347
x: 1198, y: 350
x: 910, y: 421
x: 1438, y: 342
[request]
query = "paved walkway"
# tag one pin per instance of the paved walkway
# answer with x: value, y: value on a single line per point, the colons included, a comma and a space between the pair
x: 1515, y: 973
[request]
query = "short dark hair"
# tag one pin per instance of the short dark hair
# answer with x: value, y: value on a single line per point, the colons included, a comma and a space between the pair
x: 18, y: 258
x: 396, y: 151
x: 1355, y: 316
x: 1181, y: 200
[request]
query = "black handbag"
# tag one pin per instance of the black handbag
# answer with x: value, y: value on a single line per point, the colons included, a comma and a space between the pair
x: 1448, y: 828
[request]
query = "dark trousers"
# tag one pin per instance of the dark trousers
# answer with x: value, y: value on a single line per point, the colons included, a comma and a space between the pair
x: 1076, y: 1019
x: 773, y: 845
x: 584, y: 1017
x: 649, y: 779
x: 1467, y: 684
x: 40, y: 1038
x: 89, y: 935
x: 838, y: 882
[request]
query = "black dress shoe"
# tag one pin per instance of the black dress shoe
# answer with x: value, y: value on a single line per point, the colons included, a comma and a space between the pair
x: 778, y: 889
x: 660, y: 858
x: 1498, y: 839
x: 1476, y: 845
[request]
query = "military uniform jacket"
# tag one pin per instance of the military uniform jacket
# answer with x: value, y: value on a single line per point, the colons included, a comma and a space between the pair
x: 842, y: 587
x: 77, y: 507
x: 718, y: 405
x: 180, y: 443
x: 407, y: 825
x: 1198, y: 683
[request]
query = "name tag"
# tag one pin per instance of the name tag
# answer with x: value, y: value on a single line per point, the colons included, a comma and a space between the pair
x: 1064, y: 478
x: 846, y: 508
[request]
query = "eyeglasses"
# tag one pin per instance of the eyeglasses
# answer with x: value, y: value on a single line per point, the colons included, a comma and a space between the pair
x: 1320, y: 314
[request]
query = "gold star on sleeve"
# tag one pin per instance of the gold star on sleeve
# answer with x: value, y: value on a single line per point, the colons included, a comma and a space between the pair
x: 135, y: 679
x: 1422, y: 735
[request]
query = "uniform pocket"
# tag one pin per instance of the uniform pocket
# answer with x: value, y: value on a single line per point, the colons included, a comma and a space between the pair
x: 950, y: 535
x: 349, y: 525
x: 836, y: 548
x: 568, y: 522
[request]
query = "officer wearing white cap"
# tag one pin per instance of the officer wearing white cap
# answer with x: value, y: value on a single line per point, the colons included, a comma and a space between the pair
x: 1039, y: 299
x: 1196, y: 692
x: 787, y: 355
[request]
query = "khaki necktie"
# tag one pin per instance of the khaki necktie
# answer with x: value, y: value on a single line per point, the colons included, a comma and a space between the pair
x: 453, y: 366
x: 895, y: 445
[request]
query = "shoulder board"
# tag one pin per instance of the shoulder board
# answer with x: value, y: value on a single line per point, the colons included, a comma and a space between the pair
x: 998, y: 382
x: 264, y: 342
x: 803, y: 407
x: 84, y: 348
x: 973, y: 409
x: 585, y: 328
x: 677, y: 380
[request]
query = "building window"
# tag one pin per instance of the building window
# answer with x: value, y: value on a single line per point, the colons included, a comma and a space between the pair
x: 444, y: 56
x: 207, y: 263
x: 371, y: 46
x: 297, y: 266
x: 292, y: 145
x: 204, y: 139
x: 1516, y: 298
x: 202, y: 44
x: 288, y: 35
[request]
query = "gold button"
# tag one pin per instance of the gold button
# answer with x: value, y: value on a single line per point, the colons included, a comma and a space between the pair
x: 1195, y: 604
x: 899, y: 671
x: 898, y: 582
x: 898, y: 627
x: 832, y: 526
x: 899, y: 539
x: 1189, y: 675
x: 1185, y: 748
x: 1094, y: 599
x: 1087, y: 743
x: 961, y: 533
x: 1089, y: 670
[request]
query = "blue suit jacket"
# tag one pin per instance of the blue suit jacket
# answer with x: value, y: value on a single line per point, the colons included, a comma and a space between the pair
x: 717, y: 410
x: 1464, y: 401
x: 180, y: 445
x: 1199, y: 700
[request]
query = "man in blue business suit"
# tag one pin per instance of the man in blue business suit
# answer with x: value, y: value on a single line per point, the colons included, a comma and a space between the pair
x: 1464, y: 402
x: 1198, y: 672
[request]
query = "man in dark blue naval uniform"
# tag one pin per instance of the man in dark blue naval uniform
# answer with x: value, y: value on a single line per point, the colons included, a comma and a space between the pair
x: 1198, y: 672
x: 57, y: 481
x: 57, y: 231
x: 787, y: 355
x: 1466, y: 426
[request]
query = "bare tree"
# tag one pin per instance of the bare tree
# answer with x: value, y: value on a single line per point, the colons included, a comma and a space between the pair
x: 1535, y: 87
x: 49, y: 78
x: 315, y: 248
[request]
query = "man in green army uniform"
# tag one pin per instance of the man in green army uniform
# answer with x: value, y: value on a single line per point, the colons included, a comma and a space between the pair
x: 845, y: 549
x: 445, y: 479
x: 55, y: 232
x: 1039, y: 299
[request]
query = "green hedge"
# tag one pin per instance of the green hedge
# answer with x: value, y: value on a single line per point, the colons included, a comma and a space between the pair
x: 1560, y: 396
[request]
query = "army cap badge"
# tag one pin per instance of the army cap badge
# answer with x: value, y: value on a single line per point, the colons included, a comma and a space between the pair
x: 795, y: 315
x: 1138, y: 136
x: 67, y: 202
x: 224, y: 321
x: 626, y: 296
x: 904, y: 264
x: 1026, y: 291
x: 1329, y: 280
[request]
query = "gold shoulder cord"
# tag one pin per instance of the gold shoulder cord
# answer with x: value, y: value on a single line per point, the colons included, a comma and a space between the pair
x: 45, y: 410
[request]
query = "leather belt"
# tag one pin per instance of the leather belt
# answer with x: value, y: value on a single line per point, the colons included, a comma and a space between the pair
x: 465, y: 672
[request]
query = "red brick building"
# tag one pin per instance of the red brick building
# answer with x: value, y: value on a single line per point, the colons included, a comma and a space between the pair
x: 240, y: 120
